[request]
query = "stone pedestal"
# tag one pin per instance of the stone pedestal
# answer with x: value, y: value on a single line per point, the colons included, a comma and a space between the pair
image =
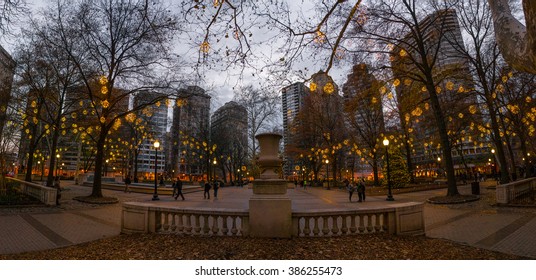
x: 270, y: 213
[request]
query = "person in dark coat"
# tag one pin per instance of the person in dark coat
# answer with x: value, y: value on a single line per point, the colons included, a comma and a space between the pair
x: 127, y: 184
x: 361, y: 190
x: 177, y: 189
x: 206, y: 193
x: 350, y: 188
x: 216, y: 187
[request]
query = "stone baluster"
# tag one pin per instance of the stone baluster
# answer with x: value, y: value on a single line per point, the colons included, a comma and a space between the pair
x: 158, y: 220
x: 306, y: 229
x: 173, y: 226
x: 234, y: 230
x: 325, y: 225
x: 384, y: 221
x: 166, y: 221
x: 188, y: 226
x: 316, y: 229
x: 353, y: 228
x: 215, y: 224
x: 361, y: 224
x: 205, y: 220
x: 224, y: 229
x: 369, y: 223
x: 344, y: 228
x: 197, y: 225
x: 180, y: 226
x: 335, y: 227
x: 378, y: 225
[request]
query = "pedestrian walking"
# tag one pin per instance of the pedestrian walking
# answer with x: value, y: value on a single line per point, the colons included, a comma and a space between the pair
x: 177, y: 189
x: 57, y: 186
x: 162, y: 184
x: 127, y: 184
x: 350, y: 188
x: 216, y: 187
x: 361, y: 190
x: 206, y: 193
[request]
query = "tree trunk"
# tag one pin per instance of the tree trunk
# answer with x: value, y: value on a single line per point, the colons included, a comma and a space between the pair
x: 505, y: 178
x: 99, y: 157
x: 452, y: 189
x: 516, y: 42
x: 52, y: 157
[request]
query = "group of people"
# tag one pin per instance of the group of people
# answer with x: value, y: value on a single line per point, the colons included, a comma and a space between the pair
x: 215, y: 185
x: 177, y: 188
x: 359, y: 187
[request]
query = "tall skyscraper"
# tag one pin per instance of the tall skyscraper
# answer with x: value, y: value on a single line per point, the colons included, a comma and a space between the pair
x: 292, y: 101
x: 229, y: 131
x: 7, y: 70
x: 155, y: 117
x: 189, y: 130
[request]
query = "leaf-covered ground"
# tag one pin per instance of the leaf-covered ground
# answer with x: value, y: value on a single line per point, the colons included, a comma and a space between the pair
x: 172, y: 247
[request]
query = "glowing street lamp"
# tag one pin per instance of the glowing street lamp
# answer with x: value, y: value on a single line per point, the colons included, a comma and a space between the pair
x: 57, y: 162
x: 156, y: 146
x: 389, y: 194
x: 214, y: 162
x: 327, y: 172
x: 494, y: 164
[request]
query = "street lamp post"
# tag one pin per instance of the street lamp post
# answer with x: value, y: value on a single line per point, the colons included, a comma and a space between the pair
x: 106, y: 169
x: 494, y: 165
x: 327, y: 172
x: 389, y: 193
x: 439, y: 166
x: 57, y: 163
x: 214, y: 162
x: 156, y: 146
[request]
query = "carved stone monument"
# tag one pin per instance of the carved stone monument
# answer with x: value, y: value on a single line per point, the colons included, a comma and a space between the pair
x: 270, y: 212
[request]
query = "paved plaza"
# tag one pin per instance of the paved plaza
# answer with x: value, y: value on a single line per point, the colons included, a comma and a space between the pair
x: 508, y: 230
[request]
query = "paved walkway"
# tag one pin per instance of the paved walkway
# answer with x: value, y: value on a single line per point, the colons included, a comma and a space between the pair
x: 509, y: 230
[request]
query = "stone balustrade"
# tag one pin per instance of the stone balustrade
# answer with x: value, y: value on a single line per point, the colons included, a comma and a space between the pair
x: 46, y: 195
x: 507, y: 193
x: 403, y: 218
x: 406, y: 218
x: 206, y: 222
x: 335, y: 223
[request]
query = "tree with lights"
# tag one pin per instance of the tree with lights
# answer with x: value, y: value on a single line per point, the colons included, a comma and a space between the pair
x: 111, y: 45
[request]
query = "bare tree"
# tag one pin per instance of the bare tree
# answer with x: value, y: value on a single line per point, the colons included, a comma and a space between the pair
x: 10, y: 12
x: 50, y: 80
x: 113, y: 44
x: 481, y: 51
x: 262, y: 108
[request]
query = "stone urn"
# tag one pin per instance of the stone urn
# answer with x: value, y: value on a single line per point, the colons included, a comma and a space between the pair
x: 268, y: 157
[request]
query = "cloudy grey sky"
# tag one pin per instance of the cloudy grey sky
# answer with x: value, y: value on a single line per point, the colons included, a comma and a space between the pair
x: 222, y: 83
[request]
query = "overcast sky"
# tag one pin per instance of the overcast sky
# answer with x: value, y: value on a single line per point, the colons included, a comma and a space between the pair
x: 220, y: 84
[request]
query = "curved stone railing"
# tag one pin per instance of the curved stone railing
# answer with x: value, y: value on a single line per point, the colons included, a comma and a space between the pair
x: 137, y: 217
x: 46, y: 195
x: 507, y: 193
x: 402, y: 218
x: 339, y: 223
x: 405, y: 218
